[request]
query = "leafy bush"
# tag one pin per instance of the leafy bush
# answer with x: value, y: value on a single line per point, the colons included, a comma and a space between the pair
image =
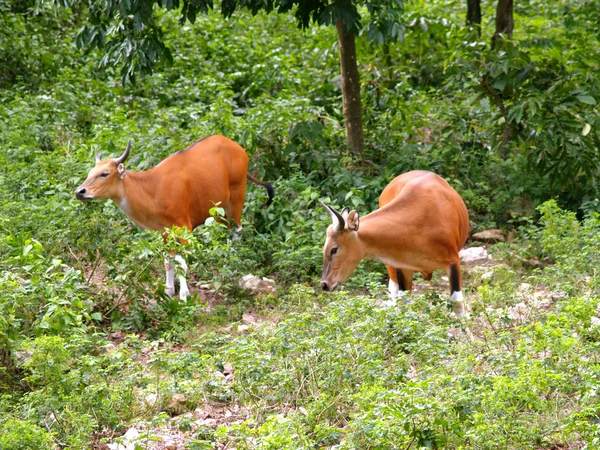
x: 509, y: 129
x: 22, y: 435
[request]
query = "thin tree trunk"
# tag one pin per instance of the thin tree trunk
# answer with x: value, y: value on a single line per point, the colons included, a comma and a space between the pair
x: 350, y: 90
x: 504, y: 21
x: 474, y: 15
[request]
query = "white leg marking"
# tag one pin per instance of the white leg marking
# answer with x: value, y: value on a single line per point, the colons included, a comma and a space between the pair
x: 236, y: 234
x: 457, y: 296
x: 457, y: 304
x: 170, y: 268
x: 394, y: 290
x: 183, y: 288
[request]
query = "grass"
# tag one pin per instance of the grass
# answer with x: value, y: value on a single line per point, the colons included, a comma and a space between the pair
x: 340, y: 371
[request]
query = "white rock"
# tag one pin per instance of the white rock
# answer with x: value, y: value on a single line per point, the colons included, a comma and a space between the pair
x: 179, y: 398
x: 109, y: 347
x: 23, y: 356
x: 518, y: 312
x: 150, y: 399
x: 258, y: 287
x: 128, y: 440
x: 490, y: 236
x: 250, y: 318
x: 524, y: 287
x: 542, y: 303
x: 473, y: 255
x: 132, y: 434
x: 595, y: 321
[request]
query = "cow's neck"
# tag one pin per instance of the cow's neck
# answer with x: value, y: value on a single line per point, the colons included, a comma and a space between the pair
x: 136, y: 199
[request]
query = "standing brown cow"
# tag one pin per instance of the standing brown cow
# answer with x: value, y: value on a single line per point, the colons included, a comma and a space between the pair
x: 179, y: 191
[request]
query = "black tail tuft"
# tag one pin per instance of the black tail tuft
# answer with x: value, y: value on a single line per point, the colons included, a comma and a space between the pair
x: 267, y: 186
x: 270, y: 193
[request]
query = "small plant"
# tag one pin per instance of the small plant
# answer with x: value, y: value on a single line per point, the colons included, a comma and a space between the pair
x: 23, y: 435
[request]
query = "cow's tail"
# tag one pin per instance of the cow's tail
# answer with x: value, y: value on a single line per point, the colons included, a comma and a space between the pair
x: 267, y: 186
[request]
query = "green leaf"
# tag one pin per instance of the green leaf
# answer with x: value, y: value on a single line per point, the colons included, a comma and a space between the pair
x: 499, y: 84
x: 586, y: 99
x: 523, y: 75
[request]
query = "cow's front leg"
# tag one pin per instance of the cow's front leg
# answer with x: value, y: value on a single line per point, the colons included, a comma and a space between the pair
x: 170, y: 269
x: 184, y: 292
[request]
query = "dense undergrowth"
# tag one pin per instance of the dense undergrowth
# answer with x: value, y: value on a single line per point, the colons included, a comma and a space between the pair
x: 87, y: 334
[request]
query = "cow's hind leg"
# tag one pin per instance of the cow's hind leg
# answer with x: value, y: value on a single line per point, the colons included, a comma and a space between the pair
x: 170, y: 269
x: 456, y: 298
x: 405, y: 280
x: 184, y: 292
x: 236, y: 206
x: 170, y: 266
x: 400, y: 283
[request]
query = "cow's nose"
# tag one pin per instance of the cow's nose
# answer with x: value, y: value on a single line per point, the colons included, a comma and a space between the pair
x: 324, y: 286
x: 80, y: 192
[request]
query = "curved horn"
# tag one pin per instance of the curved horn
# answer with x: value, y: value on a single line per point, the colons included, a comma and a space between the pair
x: 336, y: 217
x: 97, y: 155
x: 125, y: 154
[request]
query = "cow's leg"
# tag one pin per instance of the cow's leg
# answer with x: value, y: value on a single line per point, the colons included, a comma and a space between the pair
x: 170, y: 265
x: 184, y: 292
x: 456, y: 297
x: 400, y: 284
x: 405, y: 280
x: 236, y: 206
x: 170, y: 269
x: 393, y: 286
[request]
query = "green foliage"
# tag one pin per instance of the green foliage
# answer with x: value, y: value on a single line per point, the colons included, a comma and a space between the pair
x: 130, y: 35
x: 546, y: 112
x: 22, y: 435
x: 300, y: 370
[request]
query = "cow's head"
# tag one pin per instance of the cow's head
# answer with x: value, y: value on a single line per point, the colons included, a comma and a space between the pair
x: 343, y: 250
x: 104, y: 180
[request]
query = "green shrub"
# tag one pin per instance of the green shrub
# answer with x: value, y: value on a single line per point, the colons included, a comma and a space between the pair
x: 23, y: 435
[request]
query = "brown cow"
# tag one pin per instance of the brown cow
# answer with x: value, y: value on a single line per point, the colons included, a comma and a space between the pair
x: 420, y: 226
x: 179, y: 191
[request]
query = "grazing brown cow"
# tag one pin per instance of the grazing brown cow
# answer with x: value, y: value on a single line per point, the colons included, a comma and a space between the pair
x: 420, y: 226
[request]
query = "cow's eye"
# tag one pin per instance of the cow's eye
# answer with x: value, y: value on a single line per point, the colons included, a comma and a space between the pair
x: 104, y: 175
x: 334, y: 251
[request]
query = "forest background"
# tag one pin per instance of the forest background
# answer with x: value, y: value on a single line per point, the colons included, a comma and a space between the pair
x: 90, y: 345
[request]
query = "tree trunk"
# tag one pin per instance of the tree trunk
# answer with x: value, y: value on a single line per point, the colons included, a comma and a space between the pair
x: 350, y: 90
x: 474, y: 15
x: 504, y: 21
